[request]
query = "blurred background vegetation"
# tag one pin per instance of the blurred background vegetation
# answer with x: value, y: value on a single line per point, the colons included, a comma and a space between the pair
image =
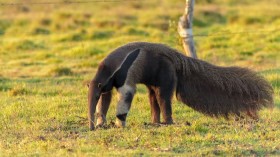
x: 48, y: 52
x: 35, y: 39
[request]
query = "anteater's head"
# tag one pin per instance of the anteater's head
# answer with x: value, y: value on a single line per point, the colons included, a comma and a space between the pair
x: 104, y: 81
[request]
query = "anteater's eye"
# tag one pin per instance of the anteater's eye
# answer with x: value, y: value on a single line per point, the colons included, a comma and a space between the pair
x: 99, y: 85
x: 97, y: 97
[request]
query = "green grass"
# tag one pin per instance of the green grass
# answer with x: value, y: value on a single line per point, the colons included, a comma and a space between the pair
x: 48, y: 55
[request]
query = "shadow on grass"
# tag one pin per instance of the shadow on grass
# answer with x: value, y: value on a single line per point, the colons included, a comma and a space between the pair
x: 75, y: 125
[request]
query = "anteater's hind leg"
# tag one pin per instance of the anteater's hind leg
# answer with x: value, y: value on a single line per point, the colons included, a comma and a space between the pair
x: 164, y: 96
x: 102, y: 108
x: 164, y: 99
x: 126, y: 93
x: 155, y: 110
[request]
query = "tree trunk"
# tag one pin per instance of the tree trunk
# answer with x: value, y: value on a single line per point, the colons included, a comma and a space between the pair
x: 185, y: 29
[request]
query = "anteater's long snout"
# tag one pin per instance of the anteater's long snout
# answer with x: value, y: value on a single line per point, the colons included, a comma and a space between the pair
x: 93, y: 97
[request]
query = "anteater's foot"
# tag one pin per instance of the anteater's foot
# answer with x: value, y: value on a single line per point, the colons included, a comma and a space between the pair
x: 101, y: 121
x: 119, y: 123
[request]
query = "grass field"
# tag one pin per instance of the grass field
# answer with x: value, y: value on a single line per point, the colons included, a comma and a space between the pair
x: 48, y: 53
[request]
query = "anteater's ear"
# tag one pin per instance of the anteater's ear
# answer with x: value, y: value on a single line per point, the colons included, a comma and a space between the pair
x: 123, y: 68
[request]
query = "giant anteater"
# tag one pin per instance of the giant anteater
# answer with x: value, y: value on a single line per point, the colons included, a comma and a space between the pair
x: 212, y: 90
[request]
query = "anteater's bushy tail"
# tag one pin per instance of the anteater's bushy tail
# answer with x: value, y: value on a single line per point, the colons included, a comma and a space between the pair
x: 221, y: 91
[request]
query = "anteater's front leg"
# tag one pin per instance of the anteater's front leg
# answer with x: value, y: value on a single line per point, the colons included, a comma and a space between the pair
x: 155, y: 110
x: 102, y: 108
x: 126, y: 94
